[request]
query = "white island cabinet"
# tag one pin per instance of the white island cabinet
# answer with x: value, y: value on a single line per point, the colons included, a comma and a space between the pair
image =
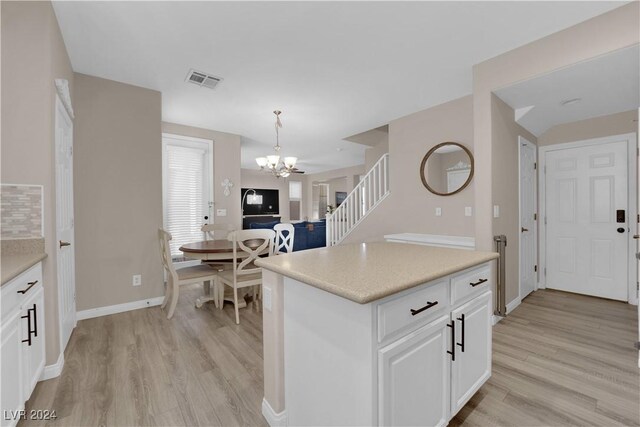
x: 22, y: 341
x: 361, y: 349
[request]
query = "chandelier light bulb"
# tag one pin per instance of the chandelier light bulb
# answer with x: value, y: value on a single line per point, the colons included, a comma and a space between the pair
x: 290, y: 162
x: 261, y: 161
x: 273, y: 161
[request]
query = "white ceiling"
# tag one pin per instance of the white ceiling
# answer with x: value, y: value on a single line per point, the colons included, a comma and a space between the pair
x: 334, y: 68
x: 605, y: 85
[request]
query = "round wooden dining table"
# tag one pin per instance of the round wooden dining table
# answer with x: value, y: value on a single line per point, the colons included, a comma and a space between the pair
x: 217, y: 250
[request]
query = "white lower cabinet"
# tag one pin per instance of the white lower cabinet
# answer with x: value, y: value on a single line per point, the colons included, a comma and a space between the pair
x: 427, y: 376
x: 414, y: 378
x: 10, y: 370
x: 472, y: 364
x: 22, y: 342
x: 33, y: 351
x: 409, y: 359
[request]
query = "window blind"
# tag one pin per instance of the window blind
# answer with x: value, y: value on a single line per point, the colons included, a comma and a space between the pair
x: 185, y: 202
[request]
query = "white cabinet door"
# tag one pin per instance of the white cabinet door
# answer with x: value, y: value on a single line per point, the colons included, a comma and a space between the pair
x: 33, y: 351
x: 413, y: 375
x: 472, y: 364
x: 10, y: 379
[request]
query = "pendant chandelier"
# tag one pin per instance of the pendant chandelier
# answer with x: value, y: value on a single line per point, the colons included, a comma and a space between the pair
x: 273, y: 163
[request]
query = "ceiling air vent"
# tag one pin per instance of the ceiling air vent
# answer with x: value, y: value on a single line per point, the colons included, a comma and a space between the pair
x: 202, y: 79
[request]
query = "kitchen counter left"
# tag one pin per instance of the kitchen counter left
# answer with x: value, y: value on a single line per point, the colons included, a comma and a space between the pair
x: 18, y: 256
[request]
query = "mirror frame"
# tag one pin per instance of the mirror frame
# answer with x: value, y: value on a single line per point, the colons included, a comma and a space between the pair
x: 430, y: 152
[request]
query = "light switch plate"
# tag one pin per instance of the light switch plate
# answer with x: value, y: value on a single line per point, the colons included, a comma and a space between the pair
x: 136, y: 280
x: 438, y: 211
x: 496, y: 211
x: 468, y: 211
x: 221, y: 212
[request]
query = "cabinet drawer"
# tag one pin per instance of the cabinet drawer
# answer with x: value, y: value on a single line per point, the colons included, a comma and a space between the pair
x: 470, y: 283
x: 412, y: 310
x: 11, y: 299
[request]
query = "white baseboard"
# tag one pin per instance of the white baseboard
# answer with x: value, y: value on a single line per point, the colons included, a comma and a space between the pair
x: 513, y: 304
x: 118, y: 308
x: 52, y: 371
x: 495, y: 319
x: 541, y: 286
x: 273, y: 419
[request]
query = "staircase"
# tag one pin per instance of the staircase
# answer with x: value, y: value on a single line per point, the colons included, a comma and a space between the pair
x: 370, y: 191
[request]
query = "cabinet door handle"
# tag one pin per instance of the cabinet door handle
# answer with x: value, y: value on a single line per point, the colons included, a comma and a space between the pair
x: 35, y: 322
x: 461, y: 344
x: 28, y: 317
x: 479, y: 282
x: 452, y: 325
x: 31, y: 285
x: 426, y: 307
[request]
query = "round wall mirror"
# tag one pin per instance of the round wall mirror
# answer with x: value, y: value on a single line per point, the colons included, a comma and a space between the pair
x: 447, y: 168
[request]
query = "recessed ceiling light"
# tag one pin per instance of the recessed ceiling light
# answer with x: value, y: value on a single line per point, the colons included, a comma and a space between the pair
x: 570, y: 101
x: 338, y: 149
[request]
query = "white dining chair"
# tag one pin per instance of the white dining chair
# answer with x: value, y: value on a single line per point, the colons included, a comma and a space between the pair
x: 245, y: 273
x: 284, y: 238
x: 217, y: 231
x: 183, y: 276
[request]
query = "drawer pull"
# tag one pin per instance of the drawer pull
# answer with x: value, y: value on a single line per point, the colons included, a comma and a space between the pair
x: 479, y: 282
x: 31, y: 285
x: 426, y: 307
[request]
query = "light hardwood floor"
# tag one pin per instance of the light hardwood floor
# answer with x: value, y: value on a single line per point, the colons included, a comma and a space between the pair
x: 558, y: 359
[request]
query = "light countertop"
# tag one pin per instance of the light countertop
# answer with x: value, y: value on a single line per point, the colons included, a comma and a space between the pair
x: 365, y: 272
x: 18, y: 256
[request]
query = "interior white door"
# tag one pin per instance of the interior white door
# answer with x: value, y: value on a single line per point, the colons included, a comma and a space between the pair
x: 64, y: 223
x: 586, y: 237
x: 528, y: 208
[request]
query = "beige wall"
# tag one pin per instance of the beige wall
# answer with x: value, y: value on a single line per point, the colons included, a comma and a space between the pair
x: 33, y: 55
x: 410, y: 207
x: 350, y: 174
x: 373, y: 154
x: 597, y: 36
x: 597, y: 127
x: 506, y: 189
x: 337, y: 184
x: 226, y: 164
x: 600, y: 35
x: 118, y: 192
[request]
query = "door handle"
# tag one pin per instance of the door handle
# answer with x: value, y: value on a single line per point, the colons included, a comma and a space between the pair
x: 620, y: 230
x: 63, y: 244
x: 461, y: 344
x: 452, y: 325
x: 524, y: 229
x: 636, y: 236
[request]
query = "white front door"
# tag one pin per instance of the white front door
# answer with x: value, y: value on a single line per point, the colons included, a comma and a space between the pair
x: 64, y: 223
x: 528, y: 207
x: 587, y: 219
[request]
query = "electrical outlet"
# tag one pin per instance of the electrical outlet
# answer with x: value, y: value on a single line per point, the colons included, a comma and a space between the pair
x: 438, y: 211
x: 468, y: 211
x: 496, y: 211
x: 137, y: 280
x: 266, y: 298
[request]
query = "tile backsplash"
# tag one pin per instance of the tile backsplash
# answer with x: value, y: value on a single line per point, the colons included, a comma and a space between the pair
x: 21, y: 211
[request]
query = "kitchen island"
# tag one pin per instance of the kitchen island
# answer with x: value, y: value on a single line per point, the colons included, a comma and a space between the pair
x: 375, y: 334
